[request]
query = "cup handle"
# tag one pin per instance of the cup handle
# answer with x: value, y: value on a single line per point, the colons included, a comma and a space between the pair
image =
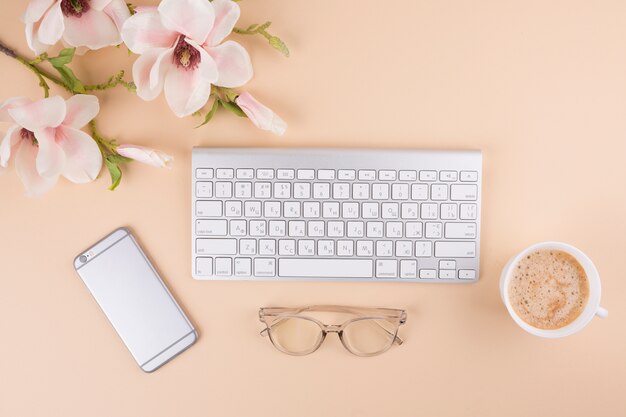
x: 602, y: 312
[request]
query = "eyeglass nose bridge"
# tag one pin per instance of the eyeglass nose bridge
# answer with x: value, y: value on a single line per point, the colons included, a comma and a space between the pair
x: 332, y: 328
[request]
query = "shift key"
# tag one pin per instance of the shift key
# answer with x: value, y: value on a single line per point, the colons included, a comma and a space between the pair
x: 216, y: 246
x: 455, y: 249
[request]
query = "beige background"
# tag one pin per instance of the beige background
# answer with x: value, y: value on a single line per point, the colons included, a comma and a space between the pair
x: 539, y: 86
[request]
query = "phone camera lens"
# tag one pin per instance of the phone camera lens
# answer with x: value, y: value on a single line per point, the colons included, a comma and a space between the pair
x: 83, y: 258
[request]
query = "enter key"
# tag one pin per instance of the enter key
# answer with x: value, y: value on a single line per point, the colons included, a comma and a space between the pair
x: 459, y: 230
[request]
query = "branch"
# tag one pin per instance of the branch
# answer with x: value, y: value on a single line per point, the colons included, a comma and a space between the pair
x: 274, y: 41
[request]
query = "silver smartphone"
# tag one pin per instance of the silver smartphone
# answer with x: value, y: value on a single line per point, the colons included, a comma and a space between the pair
x: 135, y: 300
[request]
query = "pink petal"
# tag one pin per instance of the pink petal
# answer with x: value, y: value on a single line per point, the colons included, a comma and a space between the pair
x: 142, y: 70
x: 192, y: 18
x: 9, y: 104
x: 144, y: 31
x: 47, y: 112
x: 84, y: 159
x: 52, y: 26
x: 226, y: 15
x: 50, y: 158
x: 99, y: 4
x: 32, y: 39
x: 233, y: 64
x: 186, y: 90
x: 260, y: 115
x: 36, y: 9
x: 145, y: 155
x: 11, y: 138
x: 94, y: 29
x: 81, y: 109
x: 161, y: 67
x: 118, y: 11
x: 34, y: 183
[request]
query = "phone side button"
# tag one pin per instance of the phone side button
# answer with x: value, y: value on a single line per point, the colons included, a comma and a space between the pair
x: 204, y: 266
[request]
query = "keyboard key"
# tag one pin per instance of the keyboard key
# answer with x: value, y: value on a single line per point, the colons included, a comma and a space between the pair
x: 225, y: 173
x: 272, y: 209
x: 223, y: 266
x: 285, y: 174
x: 455, y: 249
x: 463, y: 192
x: 204, y: 189
x: 429, y: 211
x: 419, y: 192
x: 367, y: 175
x: 423, y: 249
x: 306, y: 247
x: 211, y: 227
x: 400, y: 191
x: 321, y: 190
x: 346, y: 174
x: 265, y: 174
x: 408, y: 268
x: 433, y: 230
x: 262, y: 190
x: 243, y: 267
x: 306, y: 174
x: 460, y: 231
x: 384, y: 248
x: 448, y: 211
x: 232, y: 209
x: 245, y: 173
x: 325, y: 268
x: 238, y: 227
x: 390, y: 210
x: 243, y: 189
x: 247, y: 246
x: 292, y: 209
x: 252, y: 208
x: 267, y: 247
x: 469, y: 176
x: 302, y: 190
x: 216, y: 246
x: 408, y: 176
x: 345, y: 248
x: 282, y: 190
x: 404, y: 248
x: 468, y: 211
x: 286, y: 247
x: 408, y: 211
x: 223, y: 189
x: 204, y: 266
x: 387, y: 175
x: 297, y: 228
x: 341, y: 191
x: 330, y: 210
x: 311, y: 209
x: 364, y: 248
x: 335, y: 229
x: 428, y: 175
x: 257, y: 228
x: 387, y: 268
x: 428, y: 273
x: 204, y: 173
x: 448, y: 176
x: 361, y: 191
x: 325, y: 174
x: 375, y: 229
x: 350, y: 210
x: 265, y: 267
x: 380, y: 191
x: 355, y: 229
x: 447, y: 274
x: 439, y: 192
x: 447, y: 264
x: 325, y: 247
x: 277, y: 228
x: 467, y: 274
x: 208, y: 208
x: 315, y: 229
x: 393, y: 229
x: 413, y: 229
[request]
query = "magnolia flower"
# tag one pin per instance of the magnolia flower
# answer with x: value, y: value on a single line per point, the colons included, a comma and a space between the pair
x: 181, y: 51
x: 47, y: 142
x: 261, y: 116
x: 146, y: 155
x: 80, y: 23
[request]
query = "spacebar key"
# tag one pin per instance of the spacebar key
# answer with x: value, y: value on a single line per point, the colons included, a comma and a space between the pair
x: 325, y: 268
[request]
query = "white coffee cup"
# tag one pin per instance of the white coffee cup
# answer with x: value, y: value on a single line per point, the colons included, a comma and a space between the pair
x: 593, y: 304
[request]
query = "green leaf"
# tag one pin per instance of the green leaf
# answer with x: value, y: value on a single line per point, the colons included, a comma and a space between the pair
x: 65, y: 57
x: 211, y: 113
x: 233, y: 107
x: 118, y: 159
x: 115, y: 171
x: 279, y: 45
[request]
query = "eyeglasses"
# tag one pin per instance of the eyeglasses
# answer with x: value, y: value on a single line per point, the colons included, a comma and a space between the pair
x: 371, y: 332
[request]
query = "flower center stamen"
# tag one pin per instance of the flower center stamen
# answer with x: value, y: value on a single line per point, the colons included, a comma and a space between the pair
x: 185, y: 55
x: 28, y: 135
x: 74, y: 8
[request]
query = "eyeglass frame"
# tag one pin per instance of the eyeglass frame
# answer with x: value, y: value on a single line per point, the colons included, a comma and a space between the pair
x: 392, y: 315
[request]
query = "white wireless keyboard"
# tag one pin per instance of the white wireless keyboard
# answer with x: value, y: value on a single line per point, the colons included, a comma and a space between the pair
x: 336, y: 215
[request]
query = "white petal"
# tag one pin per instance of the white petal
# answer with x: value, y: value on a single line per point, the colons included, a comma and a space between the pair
x: 36, y: 9
x: 52, y: 26
x: 93, y: 29
x: 34, y: 183
x: 11, y: 138
x: 161, y: 67
x: 144, y: 31
x: 9, y: 104
x: 142, y: 69
x: 99, y: 4
x: 233, y: 64
x: 81, y: 109
x: 47, y: 112
x: 262, y: 116
x: 50, y: 158
x: 32, y: 39
x: 188, y: 90
x: 192, y: 18
x: 83, y: 157
x: 145, y: 155
x: 226, y: 15
x: 118, y: 11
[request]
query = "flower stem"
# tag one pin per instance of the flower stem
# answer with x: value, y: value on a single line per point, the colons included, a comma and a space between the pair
x: 114, y: 81
x: 106, y: 146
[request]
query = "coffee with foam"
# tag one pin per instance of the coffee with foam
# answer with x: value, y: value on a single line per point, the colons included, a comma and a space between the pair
x: 548, y: 289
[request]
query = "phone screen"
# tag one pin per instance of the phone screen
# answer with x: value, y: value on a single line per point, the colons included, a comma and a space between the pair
x: 135, y: 300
